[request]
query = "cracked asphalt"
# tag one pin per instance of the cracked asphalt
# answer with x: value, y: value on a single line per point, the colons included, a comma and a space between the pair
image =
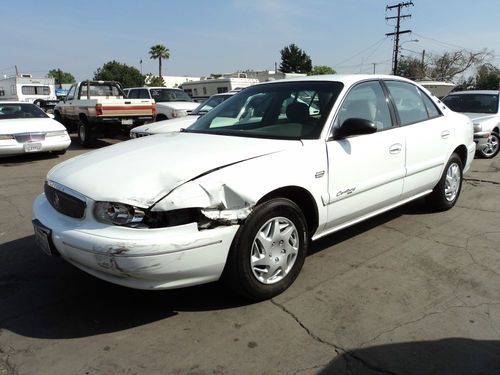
x: 408, y: 292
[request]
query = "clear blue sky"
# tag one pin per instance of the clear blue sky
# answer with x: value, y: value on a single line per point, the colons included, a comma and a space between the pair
x: 222, y: 36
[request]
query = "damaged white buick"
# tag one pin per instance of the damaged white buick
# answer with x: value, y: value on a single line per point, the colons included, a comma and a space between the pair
x: 240, y: 194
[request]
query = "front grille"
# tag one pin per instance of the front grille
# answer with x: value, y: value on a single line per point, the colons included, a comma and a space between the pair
x: 29, y: 137
x: 65, y: 203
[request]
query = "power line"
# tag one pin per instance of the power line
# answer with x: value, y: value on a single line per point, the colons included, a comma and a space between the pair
x: 378, y: 43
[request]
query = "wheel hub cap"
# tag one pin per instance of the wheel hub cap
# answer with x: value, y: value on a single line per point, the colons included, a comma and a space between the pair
x: 274, y: 250
x: 452, y: 182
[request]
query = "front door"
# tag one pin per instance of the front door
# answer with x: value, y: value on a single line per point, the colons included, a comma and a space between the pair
x: 365, y: 172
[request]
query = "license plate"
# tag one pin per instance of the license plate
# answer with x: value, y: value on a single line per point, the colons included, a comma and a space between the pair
x: 127, y: 122
x: 32, y: 147
x: 42, y: 237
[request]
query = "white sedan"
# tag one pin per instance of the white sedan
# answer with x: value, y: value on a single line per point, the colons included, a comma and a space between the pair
x: 25, y: 128
x: 240, y: 194
x: 483, y: 108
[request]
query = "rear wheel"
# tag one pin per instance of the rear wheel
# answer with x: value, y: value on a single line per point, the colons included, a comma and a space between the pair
x: 446, y: 192
x: 161, y: 117
x: 86, y: 135
x: 268, y: 250
x: 491, y: 148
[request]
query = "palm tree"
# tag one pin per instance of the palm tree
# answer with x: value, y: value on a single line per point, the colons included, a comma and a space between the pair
x: 159, y: 52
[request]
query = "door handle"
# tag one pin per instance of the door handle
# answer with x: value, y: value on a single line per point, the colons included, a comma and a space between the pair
x: 445, y: 134
x: 395, y: 148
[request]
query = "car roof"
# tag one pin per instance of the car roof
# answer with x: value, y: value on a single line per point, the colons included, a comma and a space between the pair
x: 346, y: 79
x: 483, y: 92
x: 153, y: 87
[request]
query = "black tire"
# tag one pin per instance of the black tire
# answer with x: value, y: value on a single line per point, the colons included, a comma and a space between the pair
x: 441, y: 198
x: 239, y: 274
x: 86, y: 134
x: 492, y: 148
x: 160, y: 118
x: 57, y: 117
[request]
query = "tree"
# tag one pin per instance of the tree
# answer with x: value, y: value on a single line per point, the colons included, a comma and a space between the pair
x: 487, y: 77
x: 295, y: 60
x: 159, y: 52
x: 412, y: 68
x: 450, y: 64
x: 465, y: 84
x: 128, y: 76
x: 61, y: 77
x: 322, y: 69
x: 154, y: 81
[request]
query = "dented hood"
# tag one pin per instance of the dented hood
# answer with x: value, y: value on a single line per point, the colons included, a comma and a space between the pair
x: 142, y: 171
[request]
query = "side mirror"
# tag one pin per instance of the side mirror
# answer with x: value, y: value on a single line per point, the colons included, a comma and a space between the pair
x: 354, y: 126
x: 51, y: 115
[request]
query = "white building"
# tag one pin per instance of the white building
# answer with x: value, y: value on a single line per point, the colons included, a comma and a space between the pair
x: 174, y: 81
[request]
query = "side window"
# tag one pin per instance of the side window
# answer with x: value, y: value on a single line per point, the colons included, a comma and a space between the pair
x: 144, y: 94
x: 366, y: 101
x: 133, y: 94
x: 71, y: 93
x: 409, y: 102
x: 432, y: 109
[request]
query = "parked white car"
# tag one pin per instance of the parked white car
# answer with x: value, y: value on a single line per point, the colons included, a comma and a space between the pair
x: 177, y: 124
x: 25, y: 128
x: 482, y: 107
x: 240, y: 194
x: 170, y: 103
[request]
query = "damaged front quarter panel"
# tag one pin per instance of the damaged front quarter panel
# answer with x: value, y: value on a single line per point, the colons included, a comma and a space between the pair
x: 219, y: 203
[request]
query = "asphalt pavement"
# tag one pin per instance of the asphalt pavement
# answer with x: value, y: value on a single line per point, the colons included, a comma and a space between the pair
x: 407, y: 292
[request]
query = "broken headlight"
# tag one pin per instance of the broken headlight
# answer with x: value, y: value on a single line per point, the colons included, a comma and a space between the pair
x: 118, y: 213
x: 130, y: 216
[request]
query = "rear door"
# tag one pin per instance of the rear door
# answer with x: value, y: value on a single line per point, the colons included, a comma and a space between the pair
x: 365, y: 172
x: 428, y: 136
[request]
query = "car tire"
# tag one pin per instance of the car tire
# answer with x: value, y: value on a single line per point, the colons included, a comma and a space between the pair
x: 86, y: 135
x: 445, y: 194
x: 268, y: 251
x: 160, y: 118
x: 490, y: 150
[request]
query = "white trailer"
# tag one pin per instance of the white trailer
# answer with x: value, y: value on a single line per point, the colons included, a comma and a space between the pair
x: 206, y: 87
x: 25, y: 88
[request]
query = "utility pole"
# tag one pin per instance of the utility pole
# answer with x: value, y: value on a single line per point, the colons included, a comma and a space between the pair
x: 423, y: 58
x: 397, y: 31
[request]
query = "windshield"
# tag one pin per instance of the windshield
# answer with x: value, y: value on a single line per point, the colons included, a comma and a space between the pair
x: 282, y: 110
x: 472, y: 103
x: 209, y: 104
x: 15, y: 110
x: 169, y: 95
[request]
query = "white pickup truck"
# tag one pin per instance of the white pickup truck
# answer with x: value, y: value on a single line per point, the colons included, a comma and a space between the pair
x: 100, y: 108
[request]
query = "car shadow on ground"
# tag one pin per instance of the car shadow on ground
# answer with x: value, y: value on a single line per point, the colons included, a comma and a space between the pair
x: 45, y: 297
x: 451, y: 356
x: 11, y: 161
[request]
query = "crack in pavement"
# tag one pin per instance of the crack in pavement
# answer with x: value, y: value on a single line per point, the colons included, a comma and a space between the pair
x: 426, y: 315
x: 480, y: 180
x: 338, y: 349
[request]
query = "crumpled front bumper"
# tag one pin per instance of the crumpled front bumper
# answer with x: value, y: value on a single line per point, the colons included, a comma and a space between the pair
x: 160, y: 258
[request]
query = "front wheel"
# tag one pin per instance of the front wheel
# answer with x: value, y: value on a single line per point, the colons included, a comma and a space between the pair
x: 268, y: 250
x: 446, y: 192
x: 491, y: 148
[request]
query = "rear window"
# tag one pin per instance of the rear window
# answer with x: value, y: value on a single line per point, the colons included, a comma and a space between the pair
x: 20, y: 110
x: 472, y: 103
